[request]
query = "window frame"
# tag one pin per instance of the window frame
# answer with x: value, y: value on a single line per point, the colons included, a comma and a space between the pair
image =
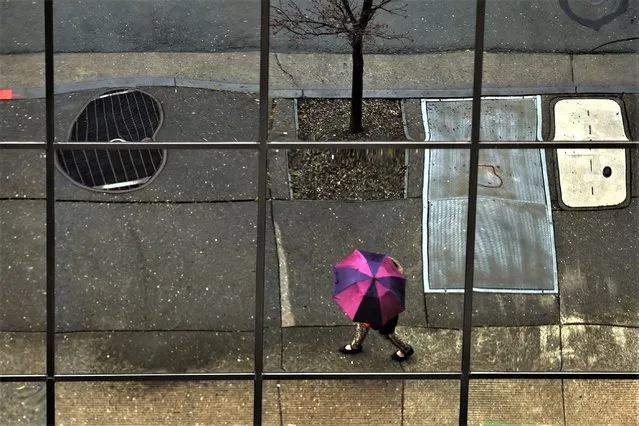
x: 262, y: 146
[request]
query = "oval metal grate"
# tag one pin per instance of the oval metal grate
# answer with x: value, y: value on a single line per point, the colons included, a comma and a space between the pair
x: 115, y: 116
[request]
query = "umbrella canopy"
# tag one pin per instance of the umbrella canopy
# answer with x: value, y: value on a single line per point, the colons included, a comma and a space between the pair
x: 369, y: 287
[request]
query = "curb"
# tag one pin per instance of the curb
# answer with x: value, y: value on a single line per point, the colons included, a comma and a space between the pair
x: 463, y: 92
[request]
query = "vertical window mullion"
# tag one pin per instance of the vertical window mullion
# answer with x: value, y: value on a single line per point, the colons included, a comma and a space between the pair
x: 472, y: 211
x: 258, y: 332
x: 50, y: 211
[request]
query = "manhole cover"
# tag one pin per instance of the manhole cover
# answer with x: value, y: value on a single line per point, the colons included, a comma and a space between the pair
x: 115, y: 116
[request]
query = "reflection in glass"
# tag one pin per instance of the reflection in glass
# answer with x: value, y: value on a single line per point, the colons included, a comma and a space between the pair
x: 199, y: 59
x: 160, y: 279
x: 560, y: 47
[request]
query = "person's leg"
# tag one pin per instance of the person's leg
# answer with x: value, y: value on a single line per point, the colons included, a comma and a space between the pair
x: 361, y: 331
x: 404, y: 350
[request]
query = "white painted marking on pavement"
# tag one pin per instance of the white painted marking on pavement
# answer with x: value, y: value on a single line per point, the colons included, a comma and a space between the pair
x: 285, y: 297
x: 425, y: 198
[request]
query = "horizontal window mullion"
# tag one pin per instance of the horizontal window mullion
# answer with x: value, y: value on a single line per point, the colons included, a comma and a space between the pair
x: 13, y: 378
x: 155, y: 145
x: 139, y: 377
x: 23, y: 145
x: 327, y: 144
x: 455, y: 145
x: 362, y: 376
x: 576, y: 375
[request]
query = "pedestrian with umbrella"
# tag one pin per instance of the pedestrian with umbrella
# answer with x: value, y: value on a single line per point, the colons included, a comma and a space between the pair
x: 370, y: 288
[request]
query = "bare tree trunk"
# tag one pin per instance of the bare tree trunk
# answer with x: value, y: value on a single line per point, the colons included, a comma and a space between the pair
x: 357, y: 88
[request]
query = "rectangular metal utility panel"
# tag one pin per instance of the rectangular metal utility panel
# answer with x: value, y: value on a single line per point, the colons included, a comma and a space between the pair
x: 514, y: 247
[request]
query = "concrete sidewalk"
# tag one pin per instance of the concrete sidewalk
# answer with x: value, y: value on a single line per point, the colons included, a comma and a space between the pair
x: 328, y: 75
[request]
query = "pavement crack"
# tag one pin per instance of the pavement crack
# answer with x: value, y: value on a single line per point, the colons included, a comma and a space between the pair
x: 279, y: 64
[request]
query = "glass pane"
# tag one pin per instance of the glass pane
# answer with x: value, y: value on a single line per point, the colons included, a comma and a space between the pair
x: 336, y: 401
x: 554, y: 285
x: 22, y: 191
x: 597, y: 285
x: 22, y: 116
x: 198, y: 60
x: 321, y: 174
x: 311, y: 237
x: 160, y: 278
x: 494, y: 402
x: 21, y: 120
x: 560, y: 47
x: 577, y: 58
x: 188, y: 176
x: 23, y: 403
x: 409, y: 52
x: 23, y: 279
x: 158, y: 403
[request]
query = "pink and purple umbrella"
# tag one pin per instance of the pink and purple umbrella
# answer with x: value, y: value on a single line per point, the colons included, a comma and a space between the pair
x: 369, y: 287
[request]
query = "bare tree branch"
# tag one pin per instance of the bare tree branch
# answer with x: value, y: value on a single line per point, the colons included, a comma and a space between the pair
x: 390, y: 7
x: 349, y: 13
x: 309, y: 23
x: 352, y: 19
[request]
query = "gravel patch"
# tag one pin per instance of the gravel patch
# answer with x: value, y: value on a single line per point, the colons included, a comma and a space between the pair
x: 347, y: 174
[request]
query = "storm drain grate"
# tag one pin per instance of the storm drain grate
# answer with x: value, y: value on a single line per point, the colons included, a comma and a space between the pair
x: 115, y: 116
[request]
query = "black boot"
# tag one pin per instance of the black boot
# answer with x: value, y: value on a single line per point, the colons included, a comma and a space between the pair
x: 405, y: 355
x: 356, y: 345
x: 350, y: 349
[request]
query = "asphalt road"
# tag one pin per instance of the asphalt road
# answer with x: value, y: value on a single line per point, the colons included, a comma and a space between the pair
x: 233, y: 25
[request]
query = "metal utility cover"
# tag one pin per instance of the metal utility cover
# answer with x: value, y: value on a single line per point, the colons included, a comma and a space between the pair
x: 116, y: 116
x: 515, y: 247
x: 591, y: 178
